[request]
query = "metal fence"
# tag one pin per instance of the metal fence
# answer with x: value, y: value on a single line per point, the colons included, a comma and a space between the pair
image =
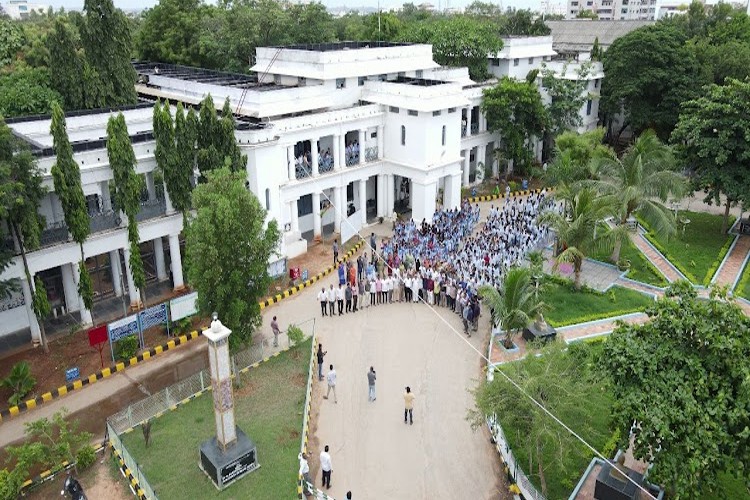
x: 131, y: 464
x: 528, y: 490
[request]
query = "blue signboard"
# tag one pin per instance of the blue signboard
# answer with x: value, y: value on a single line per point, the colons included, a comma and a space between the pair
x: 72, y: 373
x: 122, y: 328
x: 153, y: 316
x: 305, y: 275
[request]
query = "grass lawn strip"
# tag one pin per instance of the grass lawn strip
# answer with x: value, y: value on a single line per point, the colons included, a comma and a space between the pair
x: 696, y: 252
x: 641, y: 269
x: 567, y: 307
x: 268, y: 408
x: 743, y: 285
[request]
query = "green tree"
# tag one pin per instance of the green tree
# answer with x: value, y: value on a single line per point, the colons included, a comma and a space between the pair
x: 649, y: 85
x: 67, y: 180
x: 515, y: 111
x: 515, y: 304
x: 596, y: 50
x: 228, y: 147
x: 575, y: 155
x: 209, y: 138
x: 459, y: 41
x: 229, y: 246
x: 181, y: 170
x: 522, y: 22
x: 682, y: 378
x: 106, y: 39
x: 25, y: 193
x: 567, y: 96
x: 562, y: 381
x: 587, y: 14
x: 311, y: 23
x: 11, y: 41
x: 128, y: 187
x: 641, y: 181
x: 386, y: 27
x: 711, y: 138
x: 478, y: 8
x: 575, y: 228
x: 65, y: 65
x: 26, y: 91
x: 171, y: 32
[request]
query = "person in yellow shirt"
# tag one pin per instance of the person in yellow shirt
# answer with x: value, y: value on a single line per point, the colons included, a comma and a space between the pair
x: 409, y: 406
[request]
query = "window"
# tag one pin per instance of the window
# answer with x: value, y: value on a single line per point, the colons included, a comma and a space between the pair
x: 393, y: 109
x: 419, y: 73
x: 383, y: 78
x: 412, y: 112
x: 340, y: 83
x: 451, y: 110
x: 304, y: 205
x: 436, y: 113
x: 531, y: 60
x: 401, y: 74
x: 495, y: 61
x: 403, y: 135
x: 588, y: 107
x: 515, y: 62
x: 362, y: 80
x: 443, y: 135
x: 268, y: 199
x: 596, y: 84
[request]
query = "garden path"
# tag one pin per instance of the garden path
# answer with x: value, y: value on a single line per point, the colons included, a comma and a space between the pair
x: 670, y: 272
x: 734, y: 262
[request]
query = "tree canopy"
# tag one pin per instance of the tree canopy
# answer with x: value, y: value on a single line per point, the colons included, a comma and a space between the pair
x: 712, y: 139
x: 682, y: 378
x: 229, y: 246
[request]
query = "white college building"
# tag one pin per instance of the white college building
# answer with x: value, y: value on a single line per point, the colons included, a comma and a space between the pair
x: 337, y: 136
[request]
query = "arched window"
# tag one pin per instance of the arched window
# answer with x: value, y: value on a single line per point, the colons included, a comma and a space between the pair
x: 443, y: 135
x: 403, y: 135
x: 268, y: 199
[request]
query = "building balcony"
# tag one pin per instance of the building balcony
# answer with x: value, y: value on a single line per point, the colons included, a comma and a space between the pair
x: 151, y: 209
x: 104, y: 221
x: 325, y: 166
x: 301, y: 171
x: 463, y: 130
x: 371, y: 154
x: 474, y: 128
x: 352, y: 159
x: 53, y: 233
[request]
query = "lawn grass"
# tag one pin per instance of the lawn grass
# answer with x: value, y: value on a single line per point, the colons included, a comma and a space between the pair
x: 729, y: 486
x: 696, y: 251
x: 743, y: 285
x: 640, y: 267
x: 567, y: 306
x: 268, y: 408
x: 560, y: 482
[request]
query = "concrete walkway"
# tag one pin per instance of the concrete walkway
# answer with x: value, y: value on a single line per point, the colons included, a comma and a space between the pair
x: 670, y: 272
x: 731, y: 267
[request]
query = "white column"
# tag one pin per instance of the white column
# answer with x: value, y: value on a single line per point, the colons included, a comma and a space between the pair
x: 423, y: 201
x: 293, y: 209
x: 363, y: 200
x: 114, y: 265
x: 161, y: 268
x: 342, y: 150
x: 452, y: 191
x: 465, y: 167
x: 317, y: 223
x: 314, y: 156
x: 150, y: 186
x: 290, y: 163
x: 381, y: 191
x: 69, y: 286
x: 482, y: 121
x: 168, y: 201
x: 339, y: 208
x: 468, y: 120
x: 133, y: 292
x: 335, y: 152
x: 85, y: 313
x: 381, y: 142
x: 36, y: 333
x: 174, y: 255
x: 221, y: 381
x: 390, y: 188
x: 106, y: 198
x: 362, y: 148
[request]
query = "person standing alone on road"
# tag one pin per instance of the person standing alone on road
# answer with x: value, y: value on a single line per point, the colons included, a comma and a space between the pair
x: 325, y: 466
x: 276, y: 332
x: 331, y: 378
x: 321, y: 354
x: 335, y: 251
x: 371, y: 383
x: 408, y: 406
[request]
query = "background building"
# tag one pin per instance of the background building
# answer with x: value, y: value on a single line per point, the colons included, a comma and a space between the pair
x: 21, y: 9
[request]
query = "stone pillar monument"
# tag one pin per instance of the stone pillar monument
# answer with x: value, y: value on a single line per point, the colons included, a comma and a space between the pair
x: 230, y: 454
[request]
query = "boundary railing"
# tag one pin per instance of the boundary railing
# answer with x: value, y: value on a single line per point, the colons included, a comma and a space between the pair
x: 129, y: 468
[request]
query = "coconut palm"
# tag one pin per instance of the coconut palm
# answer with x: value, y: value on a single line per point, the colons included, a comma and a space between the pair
x: 513, y: 305
x: 642, y: 180
x: 576, y: 227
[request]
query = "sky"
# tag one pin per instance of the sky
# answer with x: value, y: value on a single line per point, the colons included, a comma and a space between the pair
x: 385, y: 4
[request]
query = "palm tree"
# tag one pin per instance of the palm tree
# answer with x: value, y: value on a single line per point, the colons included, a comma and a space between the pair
x: 576, y: 227
x: 514, y: 304
x: 641, y: 181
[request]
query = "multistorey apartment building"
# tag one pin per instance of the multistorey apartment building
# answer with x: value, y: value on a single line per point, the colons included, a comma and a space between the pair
x: 336, y: 135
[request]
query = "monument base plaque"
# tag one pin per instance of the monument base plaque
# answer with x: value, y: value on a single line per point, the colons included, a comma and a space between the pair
x: 536, y: 331
x: 225, y: 467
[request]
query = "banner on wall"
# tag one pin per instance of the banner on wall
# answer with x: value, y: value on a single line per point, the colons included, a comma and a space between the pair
x: 184, y: 306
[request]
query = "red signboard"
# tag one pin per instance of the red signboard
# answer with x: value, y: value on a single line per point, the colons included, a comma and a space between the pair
x: 97, y: 335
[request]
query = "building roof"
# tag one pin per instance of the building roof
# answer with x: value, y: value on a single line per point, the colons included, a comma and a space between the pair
x: 578, y: 35
x: 334, y: 46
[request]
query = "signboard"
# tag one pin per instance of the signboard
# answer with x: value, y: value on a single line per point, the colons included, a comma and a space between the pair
x: 184, y: 306
x: 122, y: 328
x: 153, y: 316
x: 305, y: 275
x: 72, y: 373
x: 98, y: 335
